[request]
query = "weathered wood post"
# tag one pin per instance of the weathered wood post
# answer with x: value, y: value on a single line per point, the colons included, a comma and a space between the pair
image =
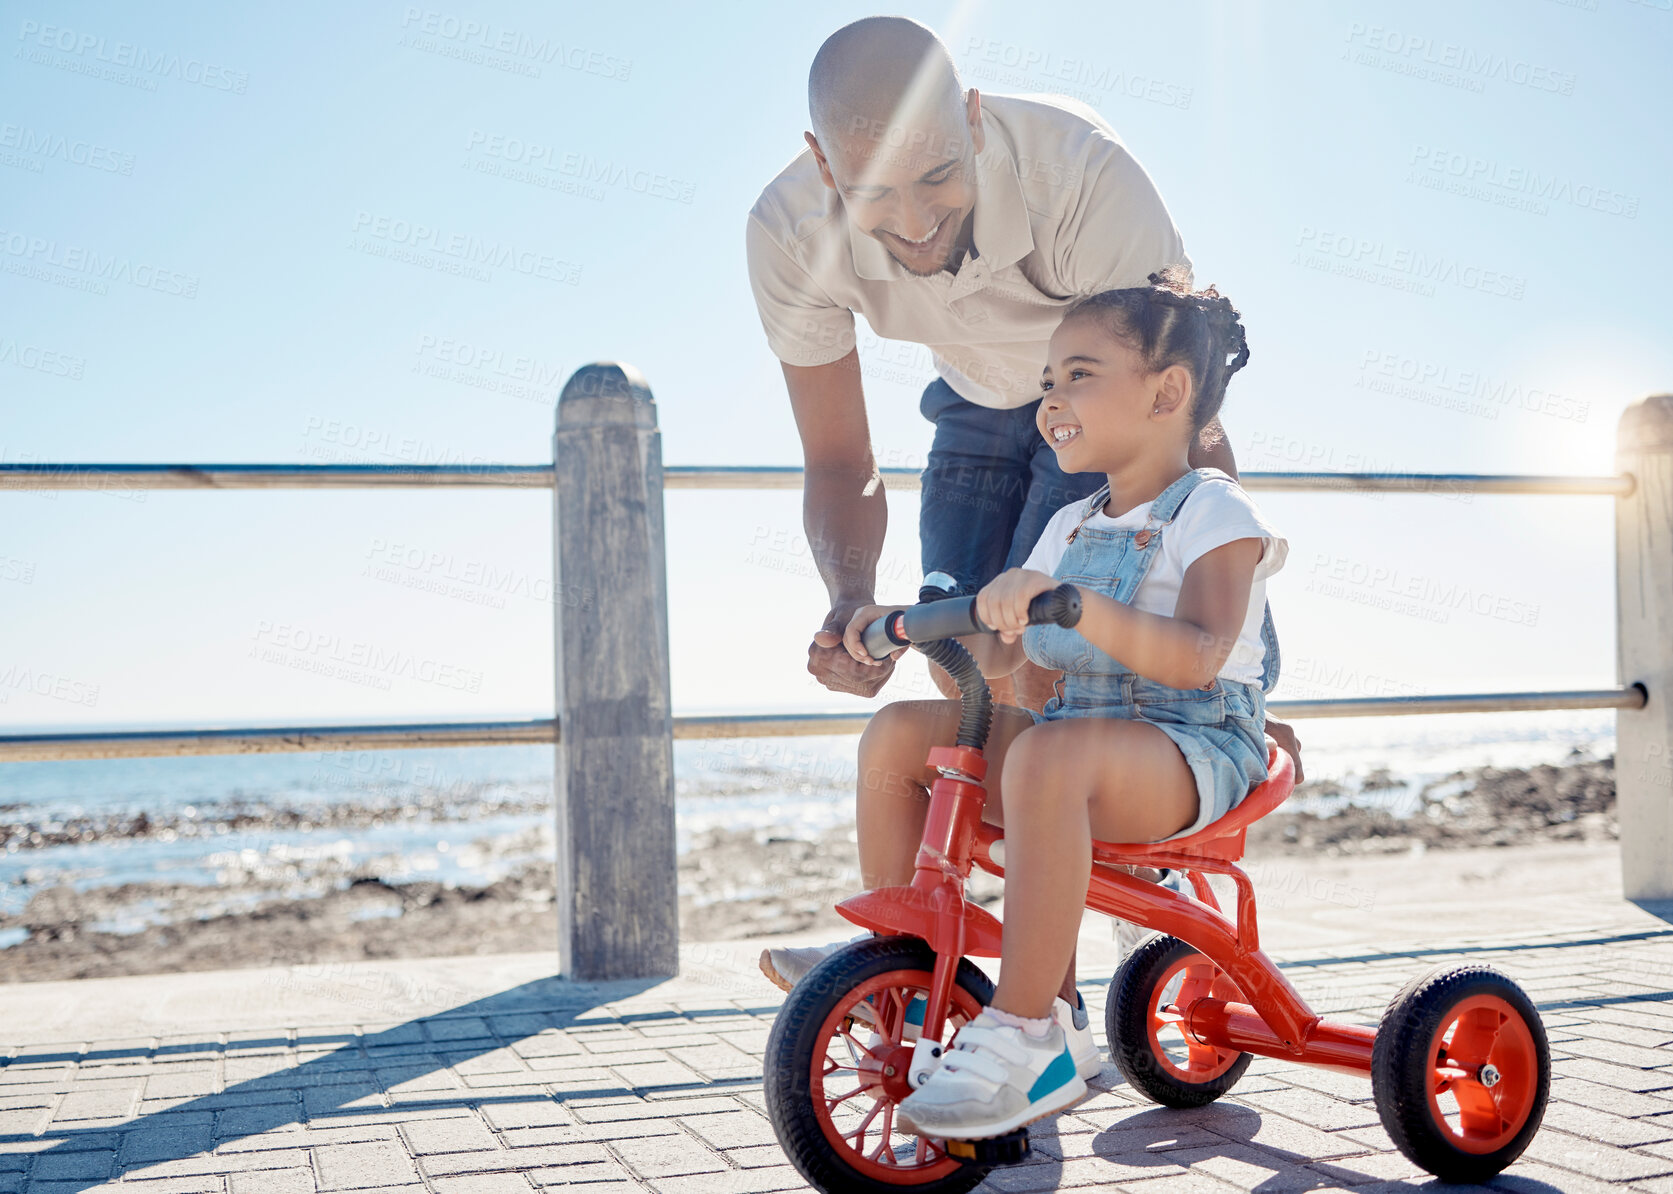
x: 618, y: 911
x: 1644, y: 613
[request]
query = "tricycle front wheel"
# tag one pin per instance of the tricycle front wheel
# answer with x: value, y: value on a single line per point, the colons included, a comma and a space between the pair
x: 1461, y: 1071
x: 837, y: 1067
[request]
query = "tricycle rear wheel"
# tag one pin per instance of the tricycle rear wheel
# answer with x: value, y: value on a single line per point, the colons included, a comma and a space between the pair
x: 1461, y: 1071
x: 1145, y: 1021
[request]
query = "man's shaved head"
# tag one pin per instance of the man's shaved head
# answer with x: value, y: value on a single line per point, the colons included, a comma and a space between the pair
x: 880, y: 72
x: 896, y: 136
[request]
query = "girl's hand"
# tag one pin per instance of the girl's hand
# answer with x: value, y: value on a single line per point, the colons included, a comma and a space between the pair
x: 1003, y: 601
x: 863, y: 617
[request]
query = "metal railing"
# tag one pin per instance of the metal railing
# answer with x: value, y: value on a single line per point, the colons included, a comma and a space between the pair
x: 606, y: 429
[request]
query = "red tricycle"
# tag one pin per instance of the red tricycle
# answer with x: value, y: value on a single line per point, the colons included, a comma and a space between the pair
x: 1459, y: 1065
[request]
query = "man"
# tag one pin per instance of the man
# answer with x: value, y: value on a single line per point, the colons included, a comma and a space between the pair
x: 967, y: 224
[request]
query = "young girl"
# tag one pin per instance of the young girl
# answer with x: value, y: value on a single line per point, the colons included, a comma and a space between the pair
x: 1158, y: 725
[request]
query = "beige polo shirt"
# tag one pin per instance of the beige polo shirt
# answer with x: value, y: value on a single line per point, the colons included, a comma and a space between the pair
x: 1062, y: 210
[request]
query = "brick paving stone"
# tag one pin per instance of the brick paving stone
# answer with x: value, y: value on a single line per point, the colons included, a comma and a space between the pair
x: 667, y: 1156
x: 547, y: 1044
x: 59, y: 1166
x: 458, y: 1028
x: 548, y: 1156
x: 149, y: 1142
x: 483, y: 1183
x: 732, y: 1181
x: 532, y: 1112
x: 1598, y: 1125
x: 662, y: 1073
x: 219, y: 1162
x: 348, y: 1166
x: 607, y: 1110
x: 732, y: 1129
x: 1608, y: 1074
x: 450, y: 1135
x: 1589, y: 1157
x: 1608, y: 1098
x: 474, y: 1161
x: 97, y: 1104
x: 207, y: 1183
x: 756, y: 1156
x: 586, y: 1175
x: 1310, y: 1107
x: 273, y: 1181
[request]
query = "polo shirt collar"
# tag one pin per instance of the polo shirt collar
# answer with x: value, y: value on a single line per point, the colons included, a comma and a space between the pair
x: 1003, y: 234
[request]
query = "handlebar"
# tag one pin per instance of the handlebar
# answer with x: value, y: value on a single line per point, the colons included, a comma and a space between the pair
x: 956, y: 616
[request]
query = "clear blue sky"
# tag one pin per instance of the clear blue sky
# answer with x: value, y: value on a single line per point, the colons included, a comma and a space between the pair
x: 1308, y: 151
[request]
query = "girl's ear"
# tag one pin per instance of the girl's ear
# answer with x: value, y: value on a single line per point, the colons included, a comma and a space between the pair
x: 1173, y: 390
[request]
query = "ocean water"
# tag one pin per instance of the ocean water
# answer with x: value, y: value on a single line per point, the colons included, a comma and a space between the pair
x: 259, y: 826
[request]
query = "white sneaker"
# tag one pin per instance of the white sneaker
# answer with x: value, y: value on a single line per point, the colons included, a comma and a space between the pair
x: 1079, y: 1037
x: 995, y: 1079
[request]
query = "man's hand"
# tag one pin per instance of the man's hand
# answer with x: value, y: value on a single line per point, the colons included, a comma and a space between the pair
x: 831, y: 663
x: 1283, y: 734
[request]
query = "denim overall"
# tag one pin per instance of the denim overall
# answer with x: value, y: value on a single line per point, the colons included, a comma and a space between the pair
x: 1220, y: 728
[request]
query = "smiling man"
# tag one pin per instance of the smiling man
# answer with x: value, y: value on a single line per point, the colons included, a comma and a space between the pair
x: 965, y: 223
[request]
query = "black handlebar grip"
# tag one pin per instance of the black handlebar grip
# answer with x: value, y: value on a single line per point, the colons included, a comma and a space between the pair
x: 1059, y: 607
x: 883, y: 637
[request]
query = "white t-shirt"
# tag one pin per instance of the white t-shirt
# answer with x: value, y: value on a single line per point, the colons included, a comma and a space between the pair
x: 1216, y: 513
x: 1062, y: 210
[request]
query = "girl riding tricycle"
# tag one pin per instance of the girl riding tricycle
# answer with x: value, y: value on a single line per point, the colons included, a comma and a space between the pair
x: 895, y: 1061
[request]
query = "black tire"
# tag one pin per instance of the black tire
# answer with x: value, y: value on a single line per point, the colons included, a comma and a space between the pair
x: 1410, y: 1044
x: 802, y: 1030
x: 1133, y: 992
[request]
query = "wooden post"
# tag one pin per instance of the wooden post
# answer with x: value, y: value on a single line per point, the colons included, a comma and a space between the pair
x: 1644, y: 615
x: 618, y: 909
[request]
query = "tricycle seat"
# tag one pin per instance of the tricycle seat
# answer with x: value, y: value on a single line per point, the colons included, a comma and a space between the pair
x: 1221, y: 839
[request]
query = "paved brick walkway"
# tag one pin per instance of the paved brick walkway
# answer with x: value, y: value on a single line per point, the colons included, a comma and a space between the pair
x: 465, y: 1076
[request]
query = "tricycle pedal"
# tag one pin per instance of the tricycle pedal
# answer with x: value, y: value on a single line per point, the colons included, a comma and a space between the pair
x: 1010, y: 1149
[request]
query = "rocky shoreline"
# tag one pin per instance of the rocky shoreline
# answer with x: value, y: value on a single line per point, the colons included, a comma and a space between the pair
x: 734, y: 884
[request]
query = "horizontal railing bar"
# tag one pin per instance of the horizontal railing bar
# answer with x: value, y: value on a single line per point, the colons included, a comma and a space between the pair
x: 17, y: 748
x: 534, y: 476
x: 269, y: 476
x: 133, y: 744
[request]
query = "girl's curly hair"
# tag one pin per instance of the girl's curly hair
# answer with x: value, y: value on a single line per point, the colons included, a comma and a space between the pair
x: 1170, y: 324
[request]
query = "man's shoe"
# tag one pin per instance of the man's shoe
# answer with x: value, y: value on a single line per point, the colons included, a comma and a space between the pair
x: 994, y: 1080
x: 1077, y: 1031
x: 786, y: 966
